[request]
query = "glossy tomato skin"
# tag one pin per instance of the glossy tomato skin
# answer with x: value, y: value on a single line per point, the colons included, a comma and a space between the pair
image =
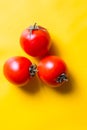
x: 36, y: 43
x: 16, y: 70
x: 50, y: 68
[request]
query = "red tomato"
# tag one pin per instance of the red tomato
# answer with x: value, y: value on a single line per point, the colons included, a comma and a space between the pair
x: 35, y: 41
x: 52, y: 70
x: 18, y: 70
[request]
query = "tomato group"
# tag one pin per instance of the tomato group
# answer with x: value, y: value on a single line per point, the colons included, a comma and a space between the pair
x: 52, y: 70
x: 35, y: 41
x: 18, y: 70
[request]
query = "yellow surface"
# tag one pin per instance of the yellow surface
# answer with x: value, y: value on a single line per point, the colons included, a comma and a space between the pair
x: 40, y: 107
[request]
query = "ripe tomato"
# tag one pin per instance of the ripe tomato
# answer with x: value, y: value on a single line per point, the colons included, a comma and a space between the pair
x: 35, y: 41
x: 52, y: 70
x: 18, y: 70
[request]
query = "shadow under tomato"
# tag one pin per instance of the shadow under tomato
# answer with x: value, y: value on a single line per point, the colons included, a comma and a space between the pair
x: 32, y: 87
x: 67, y: 87
x: 52, y: 51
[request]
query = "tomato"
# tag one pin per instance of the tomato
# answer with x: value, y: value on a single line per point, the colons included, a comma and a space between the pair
x: 35, y: 41
x: 19, y: 70
x: 52, y: 70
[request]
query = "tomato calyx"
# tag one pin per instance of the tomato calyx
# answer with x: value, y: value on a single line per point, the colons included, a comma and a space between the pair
x: 62, y: 78
x: 34, y: 27
x: 33, y: 70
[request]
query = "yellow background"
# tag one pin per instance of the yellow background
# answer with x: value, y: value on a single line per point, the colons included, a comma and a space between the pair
x: 39, y: 107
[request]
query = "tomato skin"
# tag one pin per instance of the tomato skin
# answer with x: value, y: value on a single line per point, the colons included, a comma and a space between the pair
x: 35, y: 43
x: 16, y: 70
x: 50, y: 68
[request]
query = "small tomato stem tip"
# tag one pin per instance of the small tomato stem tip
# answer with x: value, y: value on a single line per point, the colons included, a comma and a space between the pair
x: 62, y: 78
x: 33, y: 70
x: 35, y: 25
